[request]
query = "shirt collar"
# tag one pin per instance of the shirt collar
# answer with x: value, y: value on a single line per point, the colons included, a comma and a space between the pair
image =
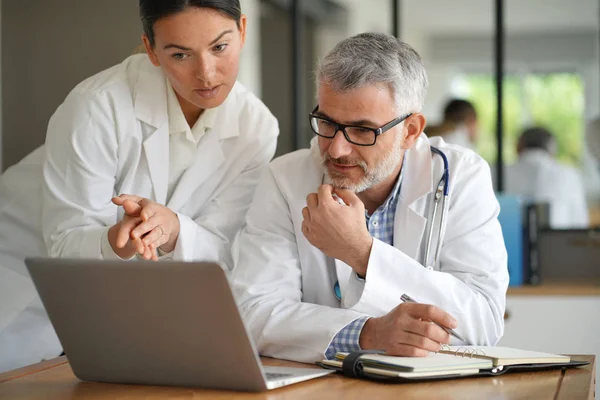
x: 178, y: 123
x: 393, y: 196
x: 396, y: 190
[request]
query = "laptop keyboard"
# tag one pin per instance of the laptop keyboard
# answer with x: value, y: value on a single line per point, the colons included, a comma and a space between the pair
x: 275, y: 375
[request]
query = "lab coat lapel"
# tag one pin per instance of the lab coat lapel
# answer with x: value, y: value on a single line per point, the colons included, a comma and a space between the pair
x: 410, y: 220
x: 209, y: 155
x: 150, y: 105
x: 156, y: 149
x: 209, y: 158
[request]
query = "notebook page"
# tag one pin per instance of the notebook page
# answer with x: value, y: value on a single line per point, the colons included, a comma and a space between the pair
x: 506, y: 355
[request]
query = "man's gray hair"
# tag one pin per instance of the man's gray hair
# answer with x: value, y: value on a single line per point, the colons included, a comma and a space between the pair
x: 377, y: 59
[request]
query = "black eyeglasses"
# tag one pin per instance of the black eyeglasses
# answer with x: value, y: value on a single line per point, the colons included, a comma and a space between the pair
x: 358, y: 135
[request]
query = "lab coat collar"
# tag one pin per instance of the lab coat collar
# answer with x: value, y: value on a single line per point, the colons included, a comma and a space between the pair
x: 418, y: 178
x: 410, y: 221
x: 227, y: 116
x: 150, y: 95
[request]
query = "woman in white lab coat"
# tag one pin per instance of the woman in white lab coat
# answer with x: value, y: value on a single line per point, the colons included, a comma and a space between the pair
x: 171, y: 127
x: 171, y: 132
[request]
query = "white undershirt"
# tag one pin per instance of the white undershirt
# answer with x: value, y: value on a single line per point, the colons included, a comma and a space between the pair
x: 183, y: 141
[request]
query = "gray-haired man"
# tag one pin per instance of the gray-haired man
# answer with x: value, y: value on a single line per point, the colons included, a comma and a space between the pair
x: 336, y: 234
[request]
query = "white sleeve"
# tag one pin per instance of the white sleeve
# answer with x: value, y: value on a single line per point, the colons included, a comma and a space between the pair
x: 79, y: 177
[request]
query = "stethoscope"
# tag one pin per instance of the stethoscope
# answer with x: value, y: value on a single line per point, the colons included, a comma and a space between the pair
x: 441, y: 195
x: 440, y: 198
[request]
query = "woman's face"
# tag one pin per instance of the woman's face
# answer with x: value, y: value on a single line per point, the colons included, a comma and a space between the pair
x: 199, y: 50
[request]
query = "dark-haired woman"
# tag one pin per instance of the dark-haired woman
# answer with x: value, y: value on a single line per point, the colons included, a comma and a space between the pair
x: 160, y: 155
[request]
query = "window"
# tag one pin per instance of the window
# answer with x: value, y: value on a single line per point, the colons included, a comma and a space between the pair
x: 554, y: 101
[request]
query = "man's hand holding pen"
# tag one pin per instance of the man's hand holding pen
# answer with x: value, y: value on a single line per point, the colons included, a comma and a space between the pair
x: 410, y: 329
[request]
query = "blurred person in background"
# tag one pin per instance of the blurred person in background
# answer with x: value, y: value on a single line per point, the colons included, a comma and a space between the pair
x: 460, y: 125
x: 537, y: 175
x: 591, y: 169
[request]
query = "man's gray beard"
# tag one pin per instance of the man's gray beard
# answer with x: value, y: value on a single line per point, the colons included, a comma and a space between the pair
x: 373, y: 176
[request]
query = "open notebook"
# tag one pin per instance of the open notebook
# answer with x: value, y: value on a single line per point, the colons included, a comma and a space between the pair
x: 503, y: 356
x: 451, y: 362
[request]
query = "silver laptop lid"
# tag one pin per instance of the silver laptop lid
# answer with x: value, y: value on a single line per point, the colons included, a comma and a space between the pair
x: 164, y: 323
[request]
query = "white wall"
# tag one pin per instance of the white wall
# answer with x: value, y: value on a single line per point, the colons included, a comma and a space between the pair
x: 360, y: 16
x: 49, y: 47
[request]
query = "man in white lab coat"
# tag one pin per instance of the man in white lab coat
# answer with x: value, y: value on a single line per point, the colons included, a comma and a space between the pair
x: 540, y: 177
x: 314, y: 276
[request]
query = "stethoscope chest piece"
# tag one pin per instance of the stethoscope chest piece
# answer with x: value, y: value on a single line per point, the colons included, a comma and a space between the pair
x: 337, y: 291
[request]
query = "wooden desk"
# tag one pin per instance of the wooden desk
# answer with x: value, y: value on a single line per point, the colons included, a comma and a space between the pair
x: 55, y: 380
x: 556, y: 289
x: 547, y: 318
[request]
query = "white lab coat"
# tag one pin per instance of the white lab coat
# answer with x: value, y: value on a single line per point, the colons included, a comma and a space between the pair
x: 538, y: 176
x: 111, y: 136
x: 285, y: 285
x: 26, y: 335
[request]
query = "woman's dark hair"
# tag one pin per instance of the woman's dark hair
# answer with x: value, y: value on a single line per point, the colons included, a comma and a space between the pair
x: 153, y: 10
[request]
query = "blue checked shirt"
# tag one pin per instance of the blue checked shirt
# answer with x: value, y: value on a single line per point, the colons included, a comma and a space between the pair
x: 381, y: 226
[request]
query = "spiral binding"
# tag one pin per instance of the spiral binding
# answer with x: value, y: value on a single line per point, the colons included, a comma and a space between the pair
x: 464, y: 351
x: 468, y: 352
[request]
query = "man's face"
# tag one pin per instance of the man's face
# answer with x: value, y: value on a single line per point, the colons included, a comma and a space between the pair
x: 351, y: 166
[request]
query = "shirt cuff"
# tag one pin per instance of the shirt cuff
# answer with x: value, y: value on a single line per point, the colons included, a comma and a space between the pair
x: 107, y: 250
x: 347, y: 339
x: 163, y: 255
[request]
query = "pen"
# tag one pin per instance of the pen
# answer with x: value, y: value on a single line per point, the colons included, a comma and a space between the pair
x: 407, y: 299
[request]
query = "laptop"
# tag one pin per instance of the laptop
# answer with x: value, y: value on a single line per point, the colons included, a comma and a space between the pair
x: 154, y: 323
